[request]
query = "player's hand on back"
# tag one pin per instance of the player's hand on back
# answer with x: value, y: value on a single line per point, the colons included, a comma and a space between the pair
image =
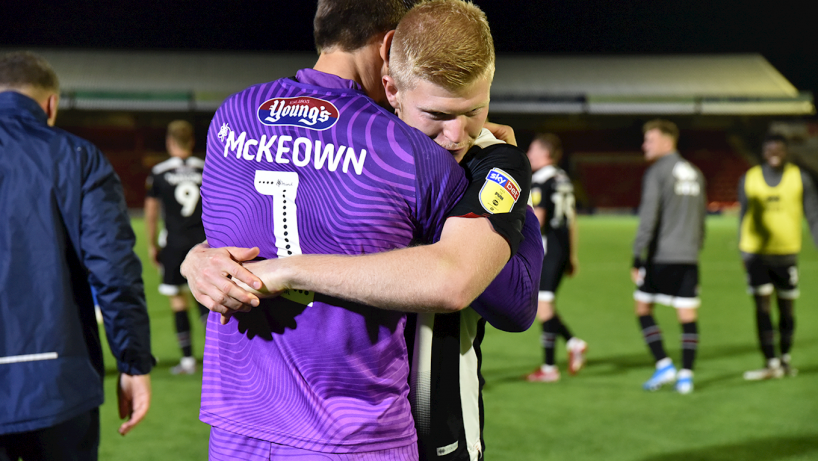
x: 502, y: 132
x: 212, y: 274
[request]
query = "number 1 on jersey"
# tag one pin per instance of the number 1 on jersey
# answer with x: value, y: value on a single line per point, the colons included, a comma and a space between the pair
x: 282, y: 186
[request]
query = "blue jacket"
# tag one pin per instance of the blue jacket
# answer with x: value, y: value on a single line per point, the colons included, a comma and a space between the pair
x: 63, y: 228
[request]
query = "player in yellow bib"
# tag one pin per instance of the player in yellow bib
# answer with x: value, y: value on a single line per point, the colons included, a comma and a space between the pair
x: 774, y: 198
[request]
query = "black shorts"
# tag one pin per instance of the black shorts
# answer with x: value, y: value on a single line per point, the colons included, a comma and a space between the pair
x: 675, y: 285
x: 171, y: 258
x: 553, y: 268
x: 764, y: 276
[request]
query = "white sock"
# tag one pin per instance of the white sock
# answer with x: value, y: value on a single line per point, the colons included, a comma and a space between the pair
x: 574, y: 342
x: 684, y: 373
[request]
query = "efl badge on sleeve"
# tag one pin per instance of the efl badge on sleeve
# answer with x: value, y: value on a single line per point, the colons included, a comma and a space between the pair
x: 500, y: 192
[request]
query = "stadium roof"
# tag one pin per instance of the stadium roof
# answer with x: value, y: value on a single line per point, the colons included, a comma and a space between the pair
x: 537, y: 84
x: 693, y: 84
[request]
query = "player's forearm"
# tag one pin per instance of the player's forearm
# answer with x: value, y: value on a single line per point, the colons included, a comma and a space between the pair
x: 643, y: 236
x: 403, y: 280
x: 810, y: 205
x: 510, y: 301
x: 648, y: 217
x: 444, y: 277
x: 151, y: 219
x: 540, y: 212
x: 115, y: 271
x: 742, y: 202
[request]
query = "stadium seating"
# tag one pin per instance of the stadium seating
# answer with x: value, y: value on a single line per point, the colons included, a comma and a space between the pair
x: 608, y: 169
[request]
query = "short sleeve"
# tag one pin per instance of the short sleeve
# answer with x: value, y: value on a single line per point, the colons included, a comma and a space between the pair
x: 500, y: 183
x: 538, y: 191
x: 151, y: 186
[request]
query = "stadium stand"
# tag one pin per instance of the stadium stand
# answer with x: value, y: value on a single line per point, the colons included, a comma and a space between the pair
x: 609, y: 168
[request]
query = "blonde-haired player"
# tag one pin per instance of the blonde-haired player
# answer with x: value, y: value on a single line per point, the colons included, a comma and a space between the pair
x: 441, y: 66
x: 666, y: 251
x: 173, y: 189
x: 444, y: 340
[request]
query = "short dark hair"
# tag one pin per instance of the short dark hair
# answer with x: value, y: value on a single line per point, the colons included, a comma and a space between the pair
x: 350, y: 24
x: 665, y: 126
x: 551, y: 142
x: 24, y: 68
x: 774, y: 137
x: 181, y: 131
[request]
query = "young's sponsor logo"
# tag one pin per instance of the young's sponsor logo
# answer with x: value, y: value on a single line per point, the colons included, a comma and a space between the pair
x: 304, y: 112
x: 500, y: 192
x: 301, y: 151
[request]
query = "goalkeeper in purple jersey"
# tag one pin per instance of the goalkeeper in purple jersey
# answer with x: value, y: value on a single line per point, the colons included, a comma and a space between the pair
x: 448, y: 275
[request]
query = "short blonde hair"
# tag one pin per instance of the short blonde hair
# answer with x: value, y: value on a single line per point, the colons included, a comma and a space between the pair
x: 181, y: 131
x: 445, y: 42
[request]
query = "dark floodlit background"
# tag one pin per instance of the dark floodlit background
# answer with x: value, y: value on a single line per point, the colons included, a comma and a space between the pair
x: 783, y: 32
x: 602, y: 413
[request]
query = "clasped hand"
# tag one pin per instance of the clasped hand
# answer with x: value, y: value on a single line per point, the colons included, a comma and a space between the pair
x: 223, y: 279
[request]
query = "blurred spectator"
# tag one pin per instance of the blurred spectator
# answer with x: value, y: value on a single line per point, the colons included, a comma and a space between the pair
x: 774, y: 197
x: 552, y: 195
x: 666, y: 250
x: 173, y: 187
x: 66, y: 229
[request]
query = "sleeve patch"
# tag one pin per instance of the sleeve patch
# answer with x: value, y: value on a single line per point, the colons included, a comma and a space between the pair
x: 536, y: 196
x: 500, y: 192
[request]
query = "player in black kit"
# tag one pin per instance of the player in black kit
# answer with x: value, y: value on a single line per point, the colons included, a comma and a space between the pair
x: 173, y: 186
x: 552, y: 195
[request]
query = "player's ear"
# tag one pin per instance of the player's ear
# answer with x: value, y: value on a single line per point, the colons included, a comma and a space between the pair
x: 391, y: 91
x: 50, y: 107
x: 386, y: 46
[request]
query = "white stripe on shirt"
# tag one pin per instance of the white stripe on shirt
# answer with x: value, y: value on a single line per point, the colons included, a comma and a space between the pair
x: 28, y: 358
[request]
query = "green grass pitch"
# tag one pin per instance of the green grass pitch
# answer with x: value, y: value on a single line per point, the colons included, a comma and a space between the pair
x: 600, y: 414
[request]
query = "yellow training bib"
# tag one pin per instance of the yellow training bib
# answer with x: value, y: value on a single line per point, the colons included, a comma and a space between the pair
x: 772, y: 221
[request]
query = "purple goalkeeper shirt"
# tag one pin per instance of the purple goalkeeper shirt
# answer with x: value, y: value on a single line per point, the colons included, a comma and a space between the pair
x: 314, y: 166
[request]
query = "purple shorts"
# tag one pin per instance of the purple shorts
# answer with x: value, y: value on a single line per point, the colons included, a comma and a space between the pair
x: 227, y: 446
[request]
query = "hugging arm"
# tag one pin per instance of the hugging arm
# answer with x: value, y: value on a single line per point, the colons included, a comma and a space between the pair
x: 510, y: 301
x: 442, y: 277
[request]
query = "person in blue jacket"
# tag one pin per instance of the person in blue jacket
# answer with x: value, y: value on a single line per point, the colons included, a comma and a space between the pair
x: 65, y: 229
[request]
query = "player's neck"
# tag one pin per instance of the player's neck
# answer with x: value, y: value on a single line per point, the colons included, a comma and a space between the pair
x: 362, y: 66
x: 778, y: 168
x: 660, y: 156
x: 544, y: 166
x: 182, y: 154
